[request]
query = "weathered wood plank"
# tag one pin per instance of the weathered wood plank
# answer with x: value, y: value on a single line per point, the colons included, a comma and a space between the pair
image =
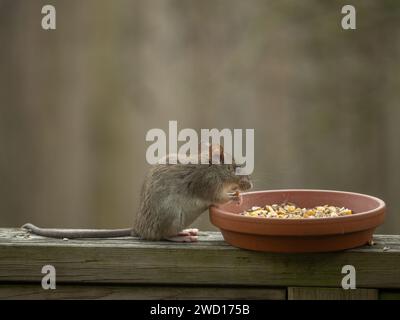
x: 110, y: 292
x: 389, y: 294
x: 315, y: 293
x: 209, y: 262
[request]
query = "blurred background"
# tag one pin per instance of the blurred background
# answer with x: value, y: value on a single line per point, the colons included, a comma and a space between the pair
x: 77, y: 102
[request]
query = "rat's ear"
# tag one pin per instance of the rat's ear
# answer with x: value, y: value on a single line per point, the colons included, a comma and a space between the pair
x: 216, y: 154
x: 203, y: 152
x: 211, y: 153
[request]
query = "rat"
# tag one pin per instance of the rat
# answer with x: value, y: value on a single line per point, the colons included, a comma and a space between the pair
x: 171, y: 198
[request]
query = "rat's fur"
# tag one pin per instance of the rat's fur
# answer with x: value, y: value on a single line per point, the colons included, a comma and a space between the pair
x: 172, y: 197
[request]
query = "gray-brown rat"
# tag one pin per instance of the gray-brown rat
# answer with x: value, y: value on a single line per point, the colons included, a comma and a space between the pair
x: 172, y: 197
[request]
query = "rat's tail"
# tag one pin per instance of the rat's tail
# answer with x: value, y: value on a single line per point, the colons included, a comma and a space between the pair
x: 78, y: 233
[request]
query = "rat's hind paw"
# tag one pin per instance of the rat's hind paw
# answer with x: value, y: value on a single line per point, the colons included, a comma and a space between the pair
x: 182, y: 239
x: 188, y: 232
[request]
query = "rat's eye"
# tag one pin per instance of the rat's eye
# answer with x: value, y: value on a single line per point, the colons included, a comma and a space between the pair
x: 232, y: 167
x: 237, y: 167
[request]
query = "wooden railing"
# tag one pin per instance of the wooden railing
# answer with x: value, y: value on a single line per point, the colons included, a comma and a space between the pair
x: 128, y: 268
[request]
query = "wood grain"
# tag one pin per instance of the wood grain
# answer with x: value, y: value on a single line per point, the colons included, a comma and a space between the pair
x: 111, y: 292
x: 314, y: 293
x: 389, y: 294
x: 211, y: 261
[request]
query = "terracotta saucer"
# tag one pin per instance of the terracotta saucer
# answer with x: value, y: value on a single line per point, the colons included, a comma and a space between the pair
x: 300, y: 235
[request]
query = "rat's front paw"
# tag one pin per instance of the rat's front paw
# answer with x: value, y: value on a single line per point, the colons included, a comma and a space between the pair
x: 189, y: 232
x: 236, y: 197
